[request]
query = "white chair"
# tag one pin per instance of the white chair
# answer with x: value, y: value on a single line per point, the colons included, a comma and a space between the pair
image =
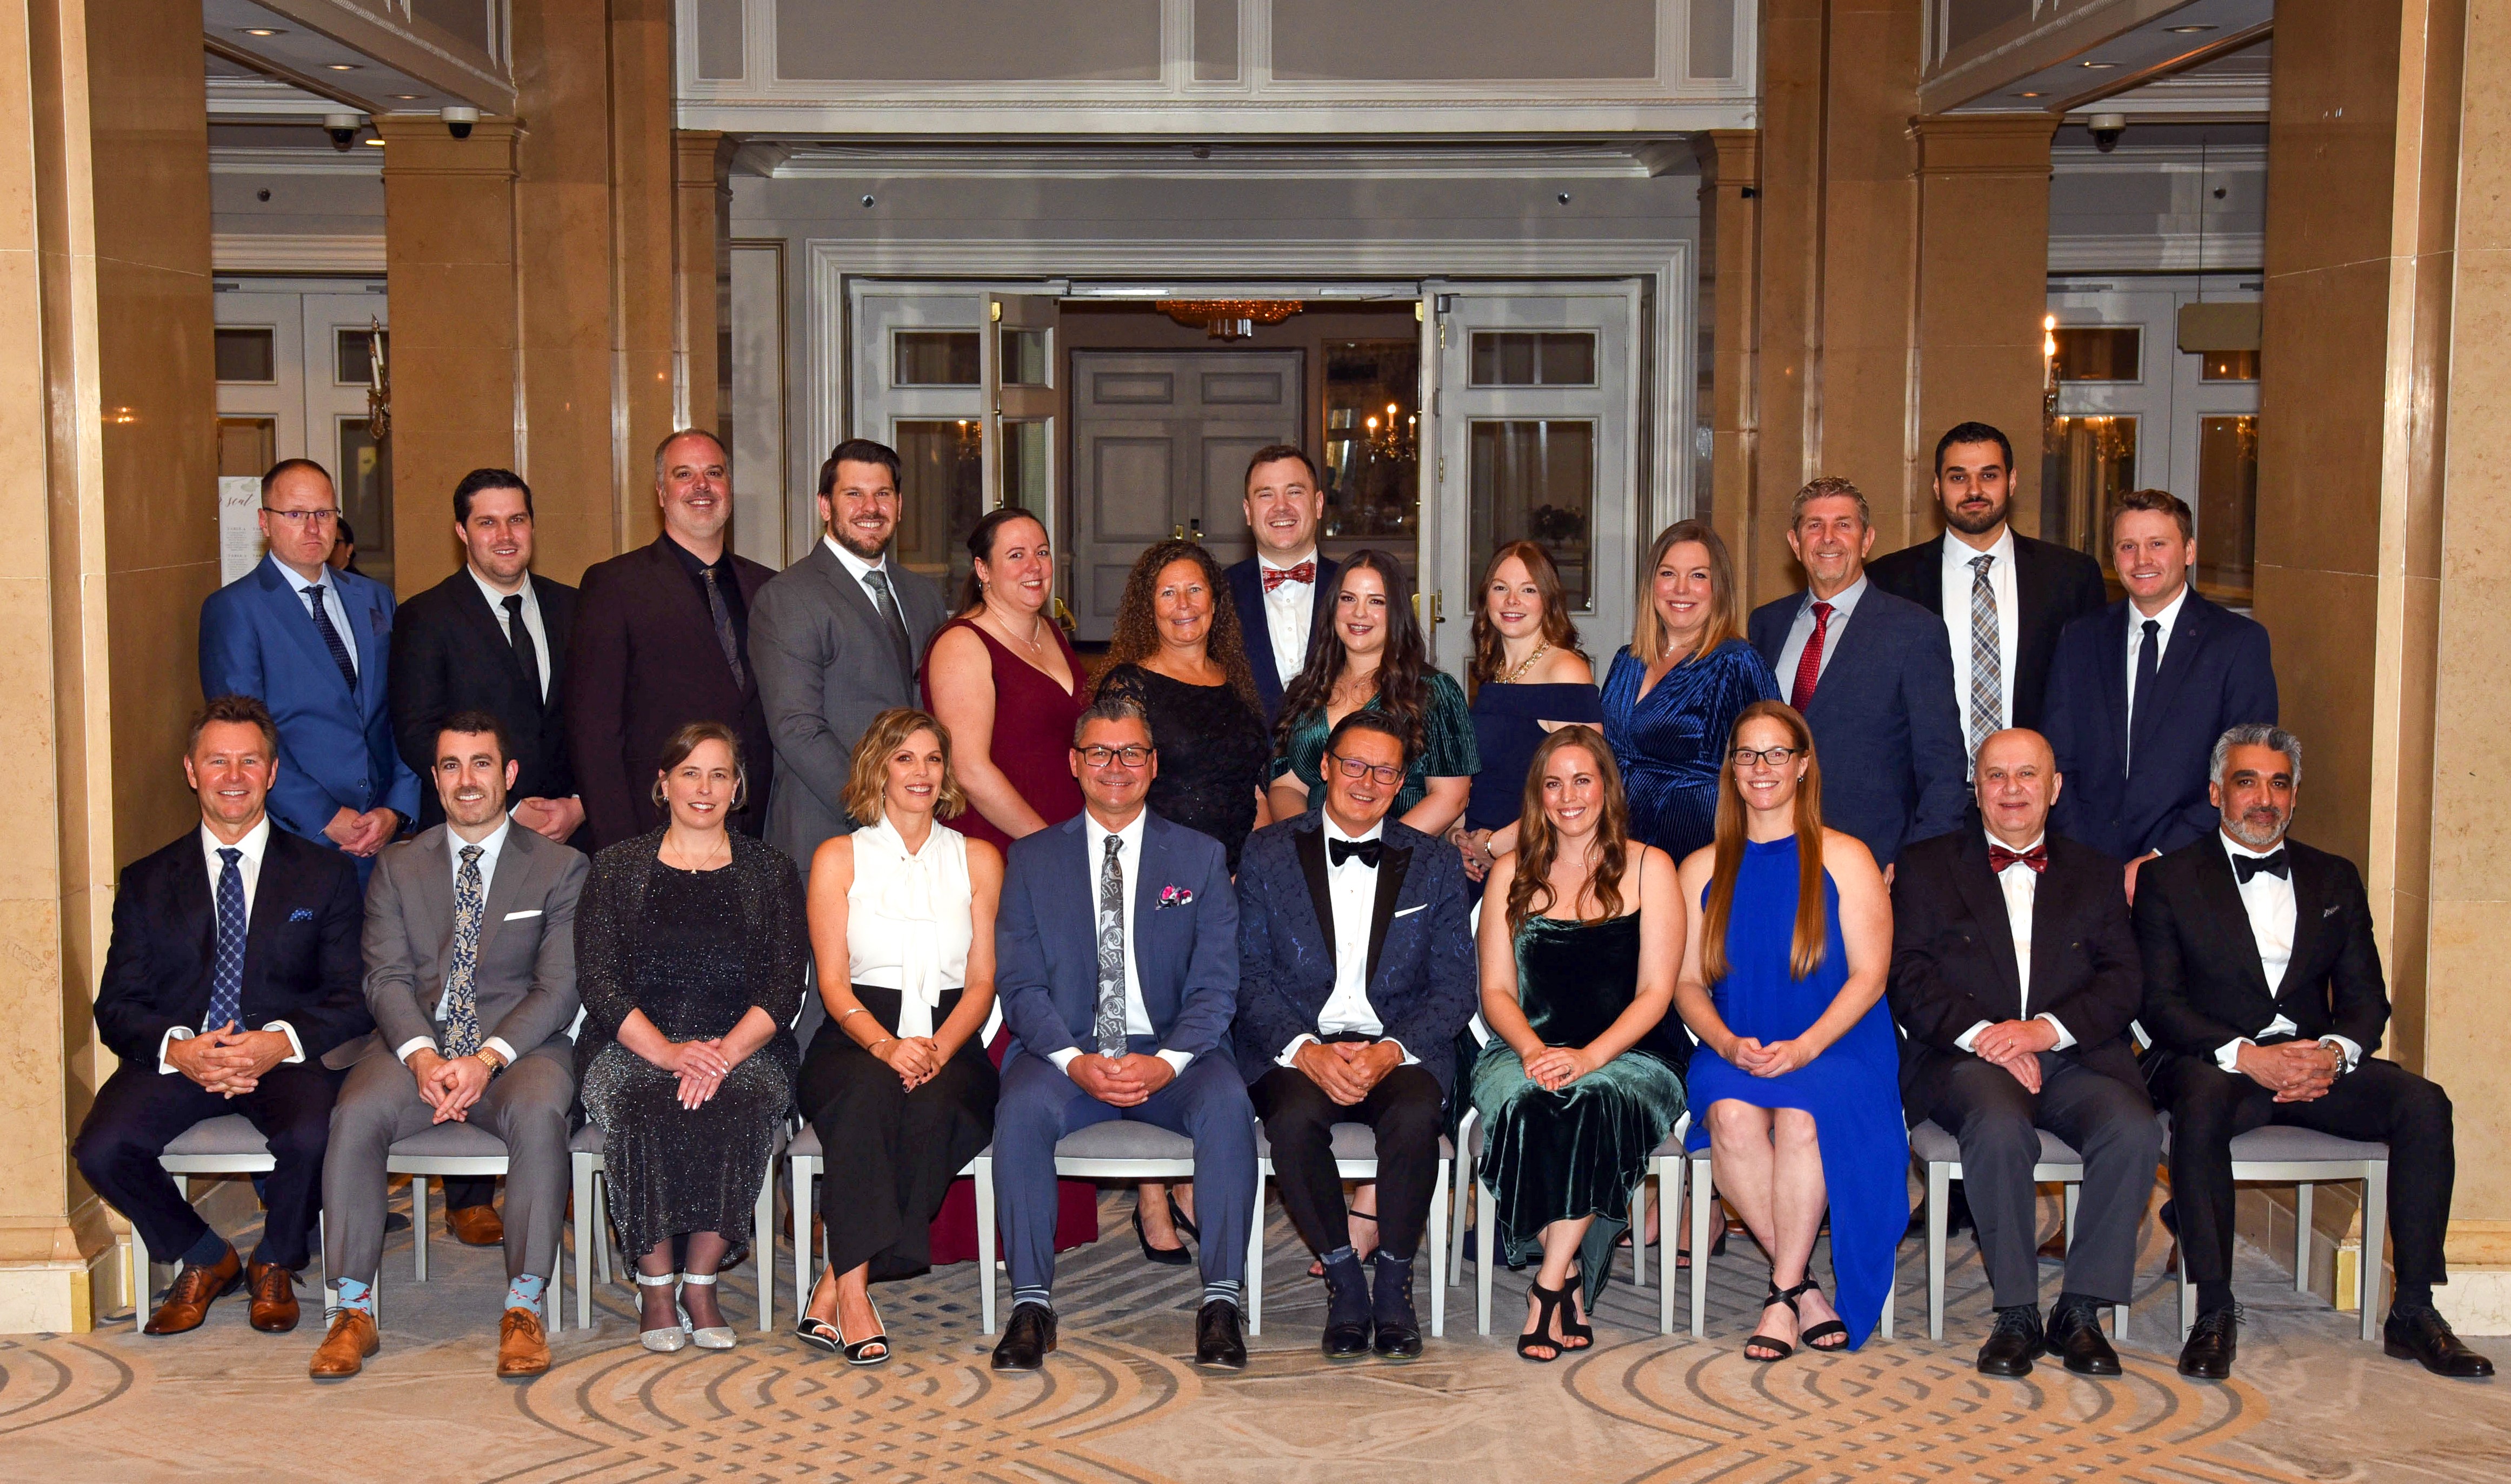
x: 585, y: 1150
x: 804, y: 1158
x: 457, y: 1149
x: 1355, y: 1151
x: 1941, y: 1152
x: 2300, y: 1156
x: 226, y: 1145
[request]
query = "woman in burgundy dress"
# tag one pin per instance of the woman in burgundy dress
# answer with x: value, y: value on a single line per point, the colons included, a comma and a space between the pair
x: 1001, y: 676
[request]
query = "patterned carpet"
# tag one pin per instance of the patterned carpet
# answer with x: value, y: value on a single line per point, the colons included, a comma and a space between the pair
x: 1122, y: 1401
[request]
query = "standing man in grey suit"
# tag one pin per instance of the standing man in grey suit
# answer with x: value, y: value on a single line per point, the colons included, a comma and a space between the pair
x: 470, y: 950
x: 835, y: 641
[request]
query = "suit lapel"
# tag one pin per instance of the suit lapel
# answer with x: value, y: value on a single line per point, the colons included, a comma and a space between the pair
x: 506, y: 888
x: 1394, y: 860
x: 1985, y: 898
x: 2223, y: 903
x: 489, y: 630
x: 688, y: 601
x: 1848, y: 645
x: 1931, y: 583
x: 1311, y: 846
x: 557, y: 620
x: 193, y: 903
x: 2310, y: 899
x: 270, y: 907
x: 371, y: 644
x: 2031, y: 594
x: 295, y: 620
x: 2113, y: 672
x: 2179, y: 658
x: 1146, y: 902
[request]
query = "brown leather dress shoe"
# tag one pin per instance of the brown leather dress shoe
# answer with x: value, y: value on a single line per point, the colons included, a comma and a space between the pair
x: 274, y: 1297
x: 522, y: 1346
x: 195, y: 1289
x: 344, y: 1351
x: 476, y: 1226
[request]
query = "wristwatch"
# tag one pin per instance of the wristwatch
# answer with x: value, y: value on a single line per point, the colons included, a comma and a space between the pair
x: 488, y: 1056
x: 2337, y: 1051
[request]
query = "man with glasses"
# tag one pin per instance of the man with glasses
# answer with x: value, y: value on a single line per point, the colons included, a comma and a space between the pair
x: 1116, y: 961
x: 1354, y: 973
x: 314, y: 645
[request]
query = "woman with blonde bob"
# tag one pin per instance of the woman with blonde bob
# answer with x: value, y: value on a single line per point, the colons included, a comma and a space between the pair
x: 897, y: 1083
x: 1797, y: 1074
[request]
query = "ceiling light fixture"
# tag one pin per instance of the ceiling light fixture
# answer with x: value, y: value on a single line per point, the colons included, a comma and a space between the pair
x: 405, y: 98
x: 2030, y: 94
x: 263, y: 30
x: 2189, y: 30
x: 2101, y: 66
x: 350, y: 66
x: 376, y: 142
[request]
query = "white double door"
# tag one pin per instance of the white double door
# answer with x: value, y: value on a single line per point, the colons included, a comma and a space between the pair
x: 293, y: 370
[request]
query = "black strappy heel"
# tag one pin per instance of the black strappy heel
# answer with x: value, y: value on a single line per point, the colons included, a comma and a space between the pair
x: 1575, y: 1330
x: 1773, y: 1342
x: 1547, y: 1305
x: 1184, y: 1222
x: 1812, y: 1339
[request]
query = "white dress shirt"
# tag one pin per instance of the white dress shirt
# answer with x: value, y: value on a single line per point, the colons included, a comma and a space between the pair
x: 1351, y: 889
x: 1289, y: 610
x: 1129, y: 855
x: 255, y: 844
x: 1960, y: 579
x: 2168, y: 618
x: 490, y: 847
x: 2273, y: 914
x: 337, y: 611
x: 1843, y: 606
x: 2020, y: 884
x: 856, y: 567
x: 531, y: 619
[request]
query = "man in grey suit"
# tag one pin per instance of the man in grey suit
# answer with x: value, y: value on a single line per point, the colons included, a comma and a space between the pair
x: 469, y: 951
x: 834, y: 640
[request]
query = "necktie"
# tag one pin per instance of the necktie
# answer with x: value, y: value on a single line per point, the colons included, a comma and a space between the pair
x: 525, y: 654
x: 2149, y: 658
x: 1999, y: 857
x: 1809, y: 667
x: 2276, y: 864
x: 226, y: 979
x: 1109, y: 1024
x: 1305, y: 572
x: 331, y: 639
x: 1340, y: 850
x: 1987, y: 691
x: 894, y: 622
x: 461, y: 975
x: 724, y: 637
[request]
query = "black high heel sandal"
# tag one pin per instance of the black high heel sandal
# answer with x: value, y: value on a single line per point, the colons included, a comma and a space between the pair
x: 1811, y: 1338
x: 1547, y: 1303
x: 1717, y: 1248
x: 1772, y: 1341
x: 1179, y: 1219
x: 1166, y: 1257
x: 1578, y: 1333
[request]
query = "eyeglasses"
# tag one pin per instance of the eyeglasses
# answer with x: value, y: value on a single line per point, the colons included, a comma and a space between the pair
x: 1353, y: 768
x: 304, y: 519
x: 1134, y: 757
x: 1776, y: 757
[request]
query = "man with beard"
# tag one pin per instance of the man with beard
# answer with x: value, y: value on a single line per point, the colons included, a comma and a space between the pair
x: 2262, y: 994
x: 2004, y: 597
x: 836, y: 639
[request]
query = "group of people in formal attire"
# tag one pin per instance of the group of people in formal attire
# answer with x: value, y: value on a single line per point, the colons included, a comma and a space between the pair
x: 697, y: 848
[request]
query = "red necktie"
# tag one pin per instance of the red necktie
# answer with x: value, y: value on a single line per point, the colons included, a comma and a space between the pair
x: 1809, y: 666
x: 1305, y: 572
x: 1999, y: 857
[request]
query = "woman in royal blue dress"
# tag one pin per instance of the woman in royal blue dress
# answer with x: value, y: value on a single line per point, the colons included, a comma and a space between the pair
x: 1530, y: 679
x: 1797, y: 1078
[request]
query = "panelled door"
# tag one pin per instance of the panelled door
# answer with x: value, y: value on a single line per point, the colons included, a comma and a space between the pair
x: 293, y: 370
x: 1160, y: 443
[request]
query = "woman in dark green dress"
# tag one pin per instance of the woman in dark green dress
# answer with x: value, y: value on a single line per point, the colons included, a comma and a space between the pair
x: 1582, y: 932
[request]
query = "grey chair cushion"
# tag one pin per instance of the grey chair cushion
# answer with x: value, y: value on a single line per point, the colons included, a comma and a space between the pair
x: 805, y: 1145
x: 586, y: 1141
x: 1933, y: 1145
x: 227, y: 1135
x: 444, y: 1141
x: 1125, y: 1139
x: 2280, y: 1144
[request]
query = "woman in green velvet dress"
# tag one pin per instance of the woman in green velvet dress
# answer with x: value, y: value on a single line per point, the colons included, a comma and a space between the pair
x: 1572, y: 1103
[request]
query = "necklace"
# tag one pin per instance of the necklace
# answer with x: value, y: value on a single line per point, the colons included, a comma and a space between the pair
x: 700, y: 863
x: 1038, y: 622
x: 1540, y: 650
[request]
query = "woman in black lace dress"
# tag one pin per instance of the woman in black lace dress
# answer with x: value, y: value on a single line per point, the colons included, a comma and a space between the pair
x: 1176, y: 653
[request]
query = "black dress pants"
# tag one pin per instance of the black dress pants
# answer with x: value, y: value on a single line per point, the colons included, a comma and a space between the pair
x: 1407, y: 1112
x: 141, y: 1110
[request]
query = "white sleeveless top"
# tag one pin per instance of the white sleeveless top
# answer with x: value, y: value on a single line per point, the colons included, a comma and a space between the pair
x: 908, y: 920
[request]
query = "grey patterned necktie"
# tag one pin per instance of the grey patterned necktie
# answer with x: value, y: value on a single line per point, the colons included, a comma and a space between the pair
x: 1109, y: 1025
x: 894, y: 622
x: 723, y: 634
x: 461, y: 977
x: 1986, y: 665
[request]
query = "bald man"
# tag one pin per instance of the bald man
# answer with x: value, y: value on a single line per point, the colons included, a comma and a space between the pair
x: 2015, y: 974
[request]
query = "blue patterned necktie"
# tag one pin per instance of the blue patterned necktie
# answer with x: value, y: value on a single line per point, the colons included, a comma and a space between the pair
x: 1109, y: 1024
x: 331, y: 639
x: 461, y: 977
x: 226, y: 981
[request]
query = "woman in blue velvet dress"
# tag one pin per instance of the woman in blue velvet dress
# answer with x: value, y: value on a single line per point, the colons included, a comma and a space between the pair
x: 1529, y: 680
x: 1797, y: 1073
x: 1671, y: 699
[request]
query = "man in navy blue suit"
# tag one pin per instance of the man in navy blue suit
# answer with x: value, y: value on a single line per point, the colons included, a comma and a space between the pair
x: 1116, y: 954
x: 1281, y: 590
x: 1873, y: 677
x: 315, y: 646
x: 1354, y: 973
x: 2140, y: 692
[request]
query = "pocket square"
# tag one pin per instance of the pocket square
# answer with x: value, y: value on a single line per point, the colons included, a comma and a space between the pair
x: 1408, y: 911
x: 301, y: 915
x: 531, y: 912
x: 2328, y: 911
x: 1174, y: 896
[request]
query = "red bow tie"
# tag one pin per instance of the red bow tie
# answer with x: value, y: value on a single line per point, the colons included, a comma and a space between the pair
x: 1305, y: 572
x: 1999, y: 857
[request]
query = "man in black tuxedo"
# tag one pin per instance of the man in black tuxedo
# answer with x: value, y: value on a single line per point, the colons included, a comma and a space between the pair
x: 2139, y: 693
x: 2014, y: 977
x: 231, y: 978
x: 2263, y: 997
x: 2003, y: 597
x: 1284, y: 589
x: 1354, y: 973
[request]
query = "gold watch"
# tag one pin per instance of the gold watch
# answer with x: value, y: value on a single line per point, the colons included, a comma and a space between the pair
x: 488, y: 1056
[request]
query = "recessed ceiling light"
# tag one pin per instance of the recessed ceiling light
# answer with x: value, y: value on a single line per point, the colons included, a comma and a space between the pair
x: 405, y: 98
x: 2030, y: 94
x: 2188, y: 30
x: 263, y: 30
x: 350, y: 66
x: 2101, y: 66
x: 376, y: 143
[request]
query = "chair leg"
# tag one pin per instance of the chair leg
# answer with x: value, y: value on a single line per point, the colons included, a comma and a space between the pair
x: 2075, y: 1193
x: 1255, y: 1289
x: 985, y: 1173
x: 418, y: 1224
x: 583, y: 1240
x: 1485, y: 1218
x: 143, y: 1281
x: 2376, y: 1219
x: 1638, y: 1233
x: 554, y: 1297
x: 1703, y: 1192
x: 602, y: 1218
x: 2187, y: 1298
x: 2301, y: 1237
x: 1940, y: 1186
x: 803, y: 1284
x: 1461, y: 1206
x: 1438, y: 1252
x: 1891, y: 1292
x: 1669, y: 1215
x: 762, y: 1247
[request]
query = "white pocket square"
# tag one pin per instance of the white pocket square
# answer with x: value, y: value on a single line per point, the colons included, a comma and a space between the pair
x: 2329, y: 912
x: 1408, y: 911
x: 532, y: 912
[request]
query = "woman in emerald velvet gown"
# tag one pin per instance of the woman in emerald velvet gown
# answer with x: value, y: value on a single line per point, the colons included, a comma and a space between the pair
x: 1581, y: 934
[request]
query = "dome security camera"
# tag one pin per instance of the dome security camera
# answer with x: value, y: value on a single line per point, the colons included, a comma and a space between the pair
x: 2107, y: 128
x: 458, y: 121
x: 343, y: 129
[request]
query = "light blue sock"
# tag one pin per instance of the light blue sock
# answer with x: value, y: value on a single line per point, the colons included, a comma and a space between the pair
x: 356, y: 1295
x: 525, y: 1292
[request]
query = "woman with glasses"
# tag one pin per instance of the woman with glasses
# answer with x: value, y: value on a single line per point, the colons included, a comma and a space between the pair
x: 1529, y: 681
x: 1797, y: 1078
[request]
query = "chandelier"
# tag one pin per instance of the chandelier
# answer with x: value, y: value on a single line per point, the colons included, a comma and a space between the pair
x: 1229, y: 319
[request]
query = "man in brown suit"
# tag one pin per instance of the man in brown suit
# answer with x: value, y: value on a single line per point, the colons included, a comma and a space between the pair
x: 661, y: 638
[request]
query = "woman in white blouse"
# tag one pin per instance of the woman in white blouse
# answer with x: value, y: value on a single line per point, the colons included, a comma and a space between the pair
x: 897, y: 1083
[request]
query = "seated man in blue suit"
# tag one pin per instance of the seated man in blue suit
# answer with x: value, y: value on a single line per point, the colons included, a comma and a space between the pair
x: 2138, y: 699
x: 314, y: 645
x: 1116, y: 956
x: 1354, y: 973
x: 1870, y: 673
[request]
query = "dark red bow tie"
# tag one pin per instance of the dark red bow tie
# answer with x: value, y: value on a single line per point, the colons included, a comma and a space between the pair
x: 1999, y: 857
x: 1305, y: 572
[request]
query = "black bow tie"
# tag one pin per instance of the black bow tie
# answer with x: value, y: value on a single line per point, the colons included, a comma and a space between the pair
x: 2276, y: 864
x: 1340, y: 850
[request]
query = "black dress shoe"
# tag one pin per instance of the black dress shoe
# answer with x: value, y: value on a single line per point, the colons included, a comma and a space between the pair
x: 1390, y: 1309
x: 1219, y: 1339
x: 2422, y: 1334
x: 1346, y: 1336
x: 2075, y: 1338
x: 1028, y: 1340
x: 2212, y: 1345
x: 2013, y: 1342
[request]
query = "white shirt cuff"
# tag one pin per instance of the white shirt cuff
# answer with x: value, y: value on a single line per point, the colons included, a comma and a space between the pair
x: 1290, y: 1053
x: 1176, y: 1061
x: 400, y: 1052
x: 2065, y: 1038
x: 295, y: 1048
x: 2229, y: 1054
x: 1063, y: 1059
x: 1409, y: 1059
x: 1965, y: 1039
x: 2353, y: 1053
x: 174, y: 1032
x: 497, y: 1044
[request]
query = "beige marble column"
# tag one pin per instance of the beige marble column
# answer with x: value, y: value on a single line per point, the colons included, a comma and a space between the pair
x: 1730, y: 235
x: 702, y: 281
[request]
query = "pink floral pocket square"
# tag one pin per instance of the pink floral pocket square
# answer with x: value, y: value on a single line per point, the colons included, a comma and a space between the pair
x: 1174, y: 896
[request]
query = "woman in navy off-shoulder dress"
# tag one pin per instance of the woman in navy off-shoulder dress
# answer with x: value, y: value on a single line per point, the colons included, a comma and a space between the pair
x: 1529, y: 680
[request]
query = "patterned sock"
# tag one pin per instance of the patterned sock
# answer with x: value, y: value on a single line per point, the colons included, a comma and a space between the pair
x: 210, y: 1251
x: 1343, y: 1253
x: 525, y: 1292
x: 356, y: 1295
x: 1224, y: 1290
x: 1038, y: 1296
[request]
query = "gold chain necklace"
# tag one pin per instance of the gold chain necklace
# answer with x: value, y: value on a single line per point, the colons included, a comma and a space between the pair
x: 1540, y: 650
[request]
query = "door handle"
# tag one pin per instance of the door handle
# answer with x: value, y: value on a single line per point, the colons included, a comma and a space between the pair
x: 1197, y: 525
